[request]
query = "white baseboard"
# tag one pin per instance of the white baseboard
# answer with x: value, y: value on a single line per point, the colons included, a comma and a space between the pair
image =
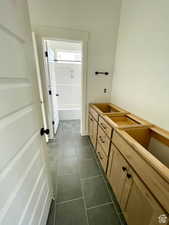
x: 84, y: 133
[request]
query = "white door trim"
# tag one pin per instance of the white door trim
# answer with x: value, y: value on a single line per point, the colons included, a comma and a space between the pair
x: 49, y: 32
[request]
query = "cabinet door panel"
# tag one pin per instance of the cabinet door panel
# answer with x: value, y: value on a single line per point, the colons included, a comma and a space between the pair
x: 94, y: 133
x: 104, y: 140
x: 110, y: 160
x: 141, y: 208
x: 92, y: 130
x: 117, y: 176
x: 102, y: 157
x: 90, y: 125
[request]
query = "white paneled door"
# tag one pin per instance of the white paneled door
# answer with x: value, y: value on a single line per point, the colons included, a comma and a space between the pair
x: 25, y: 190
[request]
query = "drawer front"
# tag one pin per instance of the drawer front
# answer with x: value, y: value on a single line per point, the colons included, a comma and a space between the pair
x: 158, y: 186
x: 94, y: 113
x: 102, y: 157
x: 104, y: 140
x: 106, y: 127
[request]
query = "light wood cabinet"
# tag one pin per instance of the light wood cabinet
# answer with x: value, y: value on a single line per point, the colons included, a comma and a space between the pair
x: 105, y: 126
x: 117, y: 174
x: 102, y: 157
x: 128, y: 149
x: 137, y: 203
x: 104, y: 140
x: 92, y: 130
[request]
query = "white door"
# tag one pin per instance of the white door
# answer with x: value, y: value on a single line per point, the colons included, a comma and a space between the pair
x: 54, y: 95
x: 39, y: 80
x: 52, y: 86
x: 25, y: 190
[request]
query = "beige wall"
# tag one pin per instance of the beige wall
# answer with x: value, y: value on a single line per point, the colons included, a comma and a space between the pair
x: 97, y: 17
x: 141, y: 79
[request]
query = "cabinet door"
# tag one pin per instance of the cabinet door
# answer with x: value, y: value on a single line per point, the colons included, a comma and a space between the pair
x: 90, y: 127
x: 140, y: 207
x: 94, y: 133
x: 117, y: 174
x: 92, y: 130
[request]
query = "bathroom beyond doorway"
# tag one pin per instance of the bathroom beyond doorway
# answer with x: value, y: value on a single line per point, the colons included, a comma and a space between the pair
x: 64, y: 80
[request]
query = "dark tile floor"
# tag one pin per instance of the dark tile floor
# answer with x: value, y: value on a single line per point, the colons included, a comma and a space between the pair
x: 83, y: 196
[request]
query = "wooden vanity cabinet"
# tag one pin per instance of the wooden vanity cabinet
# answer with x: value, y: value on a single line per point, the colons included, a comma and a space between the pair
x: 136, y: 201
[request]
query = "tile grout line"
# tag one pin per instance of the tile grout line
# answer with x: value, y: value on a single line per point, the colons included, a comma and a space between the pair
x: 92, y: 177
x: 71, y: 200
x: 100, y: 205
x: 114, y: 205
x: 85, y: 207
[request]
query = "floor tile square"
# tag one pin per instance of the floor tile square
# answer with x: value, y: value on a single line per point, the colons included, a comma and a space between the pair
x: 67, y: 166
x: 88, y: 168
x: 68, y: 188
x: 69, y: 150
x: 95, y: 192
x: 103, y: 215
x: 72, y: 213
x: 84, y: 152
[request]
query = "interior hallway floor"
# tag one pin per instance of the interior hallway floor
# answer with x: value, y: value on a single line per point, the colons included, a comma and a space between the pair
x: 83, y: 196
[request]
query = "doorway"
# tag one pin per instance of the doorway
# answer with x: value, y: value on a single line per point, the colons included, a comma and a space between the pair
x: 63, y: 62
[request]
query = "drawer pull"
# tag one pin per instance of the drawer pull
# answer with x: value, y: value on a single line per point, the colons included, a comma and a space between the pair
x: 103, y: 126
x: 101, y: 139
x: 100, y: 156
x: 128, y: 175
x: 124, y: 168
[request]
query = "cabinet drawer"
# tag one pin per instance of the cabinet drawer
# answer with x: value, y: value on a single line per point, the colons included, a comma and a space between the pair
x: 102, y: 157
x: 104, y: 140
x: 106, y: 127
x: 158, y: 186
x: 94, y: 113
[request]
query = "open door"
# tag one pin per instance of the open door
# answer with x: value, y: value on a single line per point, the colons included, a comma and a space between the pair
x: 25, y: 186
x: 44, y: 117
x: 53, y: 93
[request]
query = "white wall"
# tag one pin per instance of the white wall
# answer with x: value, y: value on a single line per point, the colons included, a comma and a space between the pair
x: 141, y: 78
x: 100, y: 19
x: 67, y: 83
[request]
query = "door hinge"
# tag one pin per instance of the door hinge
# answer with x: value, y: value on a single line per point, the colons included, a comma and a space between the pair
x: 46, y: 54
x: 50, y: 92
x: 53, y: 122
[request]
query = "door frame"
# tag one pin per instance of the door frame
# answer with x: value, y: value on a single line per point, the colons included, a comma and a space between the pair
x: 53, y: 33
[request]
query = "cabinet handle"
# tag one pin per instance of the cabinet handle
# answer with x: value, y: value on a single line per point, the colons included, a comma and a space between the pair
x: 128, y: 175
x: 103, y: 126
x: 124, y: 168
x: 100, y: 156
x: 101, y: 139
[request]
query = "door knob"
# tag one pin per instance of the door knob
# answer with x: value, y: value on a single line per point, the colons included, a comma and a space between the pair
x: 43, y: 131
x: 57, y: 94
